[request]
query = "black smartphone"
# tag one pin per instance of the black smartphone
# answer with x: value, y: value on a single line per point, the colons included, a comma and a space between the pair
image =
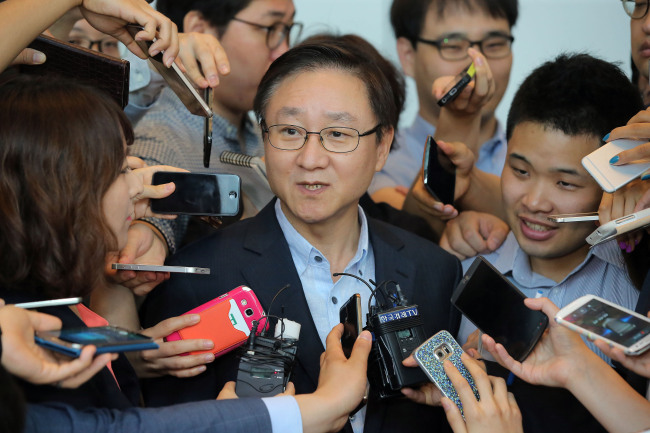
x: 439, y: 173
x: 107, y: 339
x: 350, y: 315
x: 462, y: 80
x: 497, y: 308
x: 214, y: 194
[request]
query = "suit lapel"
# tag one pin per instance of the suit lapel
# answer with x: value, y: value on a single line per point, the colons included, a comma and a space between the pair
x: 269, y: 269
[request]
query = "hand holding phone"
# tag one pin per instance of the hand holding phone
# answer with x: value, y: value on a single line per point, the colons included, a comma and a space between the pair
x: 107, y: 339
x: 439, y: 173
x: 461, y: 81
x: 612, y: 177
x: 350, y: 316
x: 600, y: 319
x: 619, y: 227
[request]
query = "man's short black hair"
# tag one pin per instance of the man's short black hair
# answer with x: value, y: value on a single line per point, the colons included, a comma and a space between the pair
x: 576, y: 94
x: 218, y: 13
x: 407, y: 16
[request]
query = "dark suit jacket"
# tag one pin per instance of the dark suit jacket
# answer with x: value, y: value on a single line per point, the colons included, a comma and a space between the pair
x: 255, y: 253
x: 101, y: 390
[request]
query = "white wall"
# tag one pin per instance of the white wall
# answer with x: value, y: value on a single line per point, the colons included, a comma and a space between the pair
x: 544, y: 29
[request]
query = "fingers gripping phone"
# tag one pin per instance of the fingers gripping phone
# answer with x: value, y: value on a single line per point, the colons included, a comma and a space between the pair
x: 226, y: 320
x: 462, y: 80
x: 215, y: 194
x: 350, y: 316
x: 496, y: 307
x: 439, y: 173
x: 430, y: 357
x: 620, y: 226
x: 612, y: 177
x: 597, y: 318
x: 107, y: 339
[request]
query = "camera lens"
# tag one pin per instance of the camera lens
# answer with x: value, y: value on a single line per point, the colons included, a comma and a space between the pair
x: 249, y: 312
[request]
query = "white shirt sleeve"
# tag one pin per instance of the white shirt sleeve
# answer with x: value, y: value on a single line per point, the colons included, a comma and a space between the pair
x: 284, y: 413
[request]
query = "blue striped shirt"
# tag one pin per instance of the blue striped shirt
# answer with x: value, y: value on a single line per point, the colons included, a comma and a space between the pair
x: 601, y: 273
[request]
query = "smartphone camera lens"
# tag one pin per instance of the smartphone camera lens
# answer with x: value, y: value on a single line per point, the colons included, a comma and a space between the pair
x: 249, y: 312
x: 439, y: 354
x: 232, y: 195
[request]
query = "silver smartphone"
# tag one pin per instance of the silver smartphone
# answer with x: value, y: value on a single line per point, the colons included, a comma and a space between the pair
x: 574, y: 217
x: 175, y: 78
x: 597, y: 318
x: 620, y: 226
x: 430, y: 357
x: 612, y: 177
x: 157, y: 268
x: 49, y: 303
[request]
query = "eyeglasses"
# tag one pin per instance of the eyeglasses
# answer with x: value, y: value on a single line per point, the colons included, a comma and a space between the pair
x: 337, y: 139
x: 106, y: 46
x: 277, y: 32
x: 636, y: 9
x: 494, y: 46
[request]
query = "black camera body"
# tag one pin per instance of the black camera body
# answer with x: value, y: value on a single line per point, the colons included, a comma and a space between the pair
x: 398, y: 332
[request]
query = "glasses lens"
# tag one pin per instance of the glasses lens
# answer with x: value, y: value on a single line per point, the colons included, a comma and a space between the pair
x: 287, y: 137
x: 454, y: 48
x: 495, y: 47
x: 294, y: 34
x: 110, y: 47
x: 635, y: 8
x: 84, y: 42
x: 340, y: 139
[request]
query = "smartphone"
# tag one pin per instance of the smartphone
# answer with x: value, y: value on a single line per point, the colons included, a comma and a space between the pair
x: 595, y: 317
x: 107, y: 339
x: 226, y: 320
x: 175, y: 78
x: 156, y: 268
x: 430, y: 357
x: 496, y: 307
x: 439, y: 173
x: 49, y: 303
x: 462, y: 80
x: 620, y: 226
x: 213, y: 194
x: 574, y: 217
x: 612, y: 177
x: 350, y: 316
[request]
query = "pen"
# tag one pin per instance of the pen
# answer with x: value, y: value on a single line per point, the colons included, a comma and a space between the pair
x: 49, y: 303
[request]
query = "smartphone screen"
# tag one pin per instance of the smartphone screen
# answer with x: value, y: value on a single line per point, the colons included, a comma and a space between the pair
x: 350, y: 315
x: 609, y: 322
x: 439, y: 173
x: 198, y: 194
x: 497, y: 308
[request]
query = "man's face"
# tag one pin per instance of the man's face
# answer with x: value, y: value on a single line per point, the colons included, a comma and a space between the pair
x: 84, y: 34
x: 544, y: 176
x: 314, y: 185
x: 640, y: 38
x: 427, y: 64
x: 248, y: 53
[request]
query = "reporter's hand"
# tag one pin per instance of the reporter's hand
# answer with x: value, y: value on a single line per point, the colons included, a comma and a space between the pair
x: 202, y: 58
x: 556, y: 358
x: 22, y: 357
x: 142, y: 201
x: 473, y: 233
x: 629, y: 199
x: 328, y: 407
x: 112, y: 16
x: 496, y: 412
x: 639, y: 364
x: 475, y: 95
x: 167, y: 358
x: 428, y: 393
x: 29, y: 56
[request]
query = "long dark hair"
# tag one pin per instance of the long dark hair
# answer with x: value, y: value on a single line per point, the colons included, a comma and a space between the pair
x: 61, y: 147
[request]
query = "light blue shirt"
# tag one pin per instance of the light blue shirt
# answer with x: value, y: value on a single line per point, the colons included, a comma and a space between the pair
x: 405, y: 160
x: 325, y: 297
x: 601, y: 273
x: 284, y: 413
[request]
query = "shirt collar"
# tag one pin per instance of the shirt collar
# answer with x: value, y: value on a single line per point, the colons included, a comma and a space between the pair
x: 303, y: 252
x: 514, y: 261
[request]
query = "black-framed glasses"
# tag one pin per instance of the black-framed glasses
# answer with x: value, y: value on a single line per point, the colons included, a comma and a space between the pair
x: 106, y: 46
x: 635, y: 9
x: 277, y: 32
x: 494, y: 46
x: 337, y: 139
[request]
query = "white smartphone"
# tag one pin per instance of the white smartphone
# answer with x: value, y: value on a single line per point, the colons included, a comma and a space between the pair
x: 157, y: 268
x: 612, y: 177
x: 49, y: 303
x: 574, y: 217
x: 620, y: 226
x: 600, y: 319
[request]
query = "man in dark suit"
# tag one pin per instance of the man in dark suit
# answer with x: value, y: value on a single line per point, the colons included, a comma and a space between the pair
x: 314, y: 229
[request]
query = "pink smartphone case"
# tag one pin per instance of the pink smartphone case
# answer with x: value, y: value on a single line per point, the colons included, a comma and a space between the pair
x: 221, y: 324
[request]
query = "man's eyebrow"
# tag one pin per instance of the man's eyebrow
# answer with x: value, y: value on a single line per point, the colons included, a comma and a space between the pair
x: 341, y: 116
x: 569, y: 171
x: 519, y: 157
x: 461, y: 35
x: 278, y: 14
x: 290, y: 111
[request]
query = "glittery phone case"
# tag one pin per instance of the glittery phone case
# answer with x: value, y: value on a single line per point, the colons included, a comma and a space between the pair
x: 430, y: 356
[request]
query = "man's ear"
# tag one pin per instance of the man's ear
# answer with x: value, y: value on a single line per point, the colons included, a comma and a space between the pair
x: 406, y: 53
x: 195, y: 22
x: 383, y: 147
